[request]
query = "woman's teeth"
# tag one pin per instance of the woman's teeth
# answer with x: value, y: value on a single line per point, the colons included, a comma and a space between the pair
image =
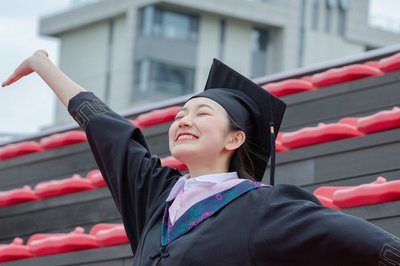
x: 185, y: 137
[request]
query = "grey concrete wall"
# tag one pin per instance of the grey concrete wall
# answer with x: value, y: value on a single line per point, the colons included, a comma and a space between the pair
x: 208, y: 47
x: 120, y: 65
x: 237, y: 47
x: 319, y: 47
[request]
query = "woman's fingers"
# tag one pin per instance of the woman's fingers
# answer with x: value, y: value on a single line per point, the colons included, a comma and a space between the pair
x: 13, y: 78
x: 10, y: 80
x: 22, y: 70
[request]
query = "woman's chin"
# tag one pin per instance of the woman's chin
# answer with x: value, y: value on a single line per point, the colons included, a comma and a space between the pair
x: 183, y: 155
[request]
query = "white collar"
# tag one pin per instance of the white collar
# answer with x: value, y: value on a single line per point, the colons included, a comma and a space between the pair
x: 188, y: 183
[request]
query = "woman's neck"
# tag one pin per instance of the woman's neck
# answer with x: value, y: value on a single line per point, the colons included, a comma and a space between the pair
x: 206, y: 170
x: 208, y: 165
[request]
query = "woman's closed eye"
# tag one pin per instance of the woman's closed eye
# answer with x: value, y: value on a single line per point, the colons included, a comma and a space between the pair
x: 178, y: 117
x: 203, y: 113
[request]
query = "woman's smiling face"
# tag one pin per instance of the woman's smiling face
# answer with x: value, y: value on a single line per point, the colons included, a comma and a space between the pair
x: 199, y: 132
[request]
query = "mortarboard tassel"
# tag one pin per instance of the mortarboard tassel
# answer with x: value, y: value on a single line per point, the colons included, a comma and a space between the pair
x: 272, y: 170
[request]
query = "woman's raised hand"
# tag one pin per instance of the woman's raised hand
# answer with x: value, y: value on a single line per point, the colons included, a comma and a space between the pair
x: 61, y: 84
x: 26, y: 67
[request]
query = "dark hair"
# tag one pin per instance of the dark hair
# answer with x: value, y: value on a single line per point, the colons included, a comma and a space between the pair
x: 241, y: 161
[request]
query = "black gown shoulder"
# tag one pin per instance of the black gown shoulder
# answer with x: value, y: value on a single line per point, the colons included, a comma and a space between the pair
x: 135, y: 177
x: 296, y: 229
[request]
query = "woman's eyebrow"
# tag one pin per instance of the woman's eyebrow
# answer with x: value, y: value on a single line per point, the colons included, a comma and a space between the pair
x: 204, y: 105
x: 184, y: 108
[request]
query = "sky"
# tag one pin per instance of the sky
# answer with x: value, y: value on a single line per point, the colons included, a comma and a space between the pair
x: 28, y: 105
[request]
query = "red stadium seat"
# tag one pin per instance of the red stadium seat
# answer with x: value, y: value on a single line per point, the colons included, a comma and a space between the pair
x: 110, y: 234
x: 99, y: 227
x: 328, y: 202
x: 288, y: 87
x: 328, y: 191
x: 320, y: 134
x: 47, y: 244
x: 136, y: 123
x: 96, y: 178
x: 372, y: 64
x: 344, y: 74
x: 63, y: 139
x: 306, y: 78
x: 391, y: 63
x: 60, y: 187
x: 173, y: 163
x: 18, y: 149
x: 18, y: 195
x: 367, y: 194
x: 279, y: 147
x: 278, y: 143
x: 380, y: 121
x: 158, y: 116
x: 325, y: 193
x: 15, y: 251
x: 352, y: 121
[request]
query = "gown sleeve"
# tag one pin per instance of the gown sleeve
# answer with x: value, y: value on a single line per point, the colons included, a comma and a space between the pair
x: 134, y: 176
x: 297, y: 230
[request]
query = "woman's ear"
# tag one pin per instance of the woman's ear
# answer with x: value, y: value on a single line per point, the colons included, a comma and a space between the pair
x: 235, y: 140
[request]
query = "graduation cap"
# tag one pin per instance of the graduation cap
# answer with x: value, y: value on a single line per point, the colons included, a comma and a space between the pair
x: 255, y: 110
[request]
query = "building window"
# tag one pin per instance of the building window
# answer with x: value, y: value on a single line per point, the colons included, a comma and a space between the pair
x: 259, y: 39
x: 155, y: 21
x: 159, y: 81
x: 330, y: 4
x: 315, y: 15
x: 343, y: 7
x: 221, y: 39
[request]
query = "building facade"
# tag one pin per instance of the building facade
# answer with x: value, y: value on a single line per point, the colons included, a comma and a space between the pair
x: 135, y: 52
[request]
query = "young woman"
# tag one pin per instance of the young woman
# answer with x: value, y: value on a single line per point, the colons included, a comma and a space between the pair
x: 216, y: 214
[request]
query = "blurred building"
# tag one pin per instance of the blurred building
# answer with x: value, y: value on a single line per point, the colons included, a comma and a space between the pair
x: 132, y: 52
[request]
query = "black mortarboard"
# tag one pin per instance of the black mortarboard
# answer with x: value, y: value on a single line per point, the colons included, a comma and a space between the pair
x: 254, y: 109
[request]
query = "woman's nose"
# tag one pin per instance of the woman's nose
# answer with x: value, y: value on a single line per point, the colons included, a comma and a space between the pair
x: 185, y: 122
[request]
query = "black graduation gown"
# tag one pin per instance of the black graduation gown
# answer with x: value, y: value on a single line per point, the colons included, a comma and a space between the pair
x: 283, y: 225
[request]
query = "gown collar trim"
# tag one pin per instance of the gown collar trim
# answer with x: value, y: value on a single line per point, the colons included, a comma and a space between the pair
x: 201, y: 211
x: 189, y: 183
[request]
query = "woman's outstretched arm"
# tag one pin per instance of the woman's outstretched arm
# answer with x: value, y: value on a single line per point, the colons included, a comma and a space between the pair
x: 61, y: 84
x: 134, y: 176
